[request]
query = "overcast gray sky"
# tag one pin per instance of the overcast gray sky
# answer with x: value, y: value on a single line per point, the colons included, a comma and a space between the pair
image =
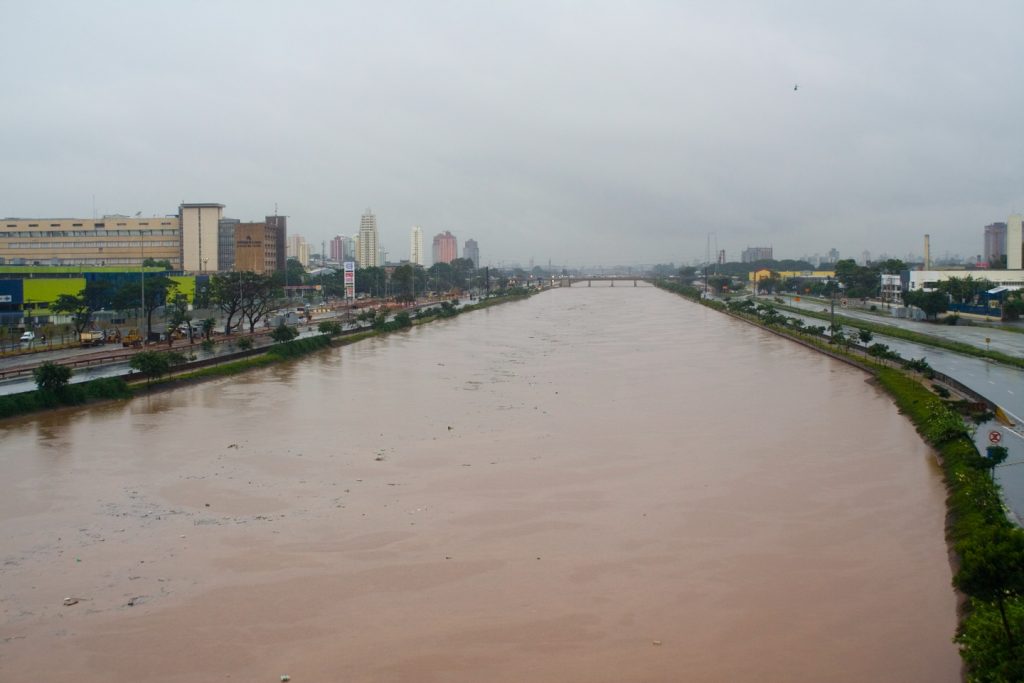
x: 580, y: 132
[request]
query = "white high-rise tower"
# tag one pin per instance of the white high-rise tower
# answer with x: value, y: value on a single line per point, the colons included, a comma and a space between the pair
x: 368, y: 245
x: 416, y: 246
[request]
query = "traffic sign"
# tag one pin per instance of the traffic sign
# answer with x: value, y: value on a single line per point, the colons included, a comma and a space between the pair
x: 842, y: 302
x: 994, y: 437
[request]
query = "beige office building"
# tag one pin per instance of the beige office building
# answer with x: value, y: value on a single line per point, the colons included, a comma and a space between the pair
x: 199, y: 236
x: 113, y: 240
x: 1015, y: 242
x: 256, y: 247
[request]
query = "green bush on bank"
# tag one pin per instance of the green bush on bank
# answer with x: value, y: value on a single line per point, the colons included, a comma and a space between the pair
x: 331, y: 327
x: 69, y: 395
x: 299, y: 347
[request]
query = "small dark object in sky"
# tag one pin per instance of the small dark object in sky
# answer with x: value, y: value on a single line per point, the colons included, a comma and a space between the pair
x: 796, y: 87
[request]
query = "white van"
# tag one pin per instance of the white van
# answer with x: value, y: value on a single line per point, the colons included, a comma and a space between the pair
x: 28, y: 336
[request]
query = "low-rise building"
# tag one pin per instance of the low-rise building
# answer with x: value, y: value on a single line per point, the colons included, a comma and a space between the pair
x: 113, y: 240
x: 928, y: 280
x: 26, y: 292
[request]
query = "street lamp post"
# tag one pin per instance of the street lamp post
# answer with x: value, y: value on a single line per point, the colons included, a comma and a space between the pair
x: 832, y: 314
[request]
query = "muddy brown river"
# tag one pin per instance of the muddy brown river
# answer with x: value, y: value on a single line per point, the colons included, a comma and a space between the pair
x: 597, y: 484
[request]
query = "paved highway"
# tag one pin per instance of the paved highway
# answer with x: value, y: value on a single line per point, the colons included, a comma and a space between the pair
x: 1001, y: 339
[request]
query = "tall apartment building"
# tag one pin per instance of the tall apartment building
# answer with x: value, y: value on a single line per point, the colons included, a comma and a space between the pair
x: 113, y: 240
x: 200, y: 240
x: 446, y: 247
x: 298, y: 249
x: 995, y: 242
x: 416, y: 245
x: 369, y: 247
x: 472, y: 251
x: 751, y: 254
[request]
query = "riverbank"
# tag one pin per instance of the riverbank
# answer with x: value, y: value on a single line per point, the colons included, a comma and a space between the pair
x: 988, y: 549
x: 243, y: 360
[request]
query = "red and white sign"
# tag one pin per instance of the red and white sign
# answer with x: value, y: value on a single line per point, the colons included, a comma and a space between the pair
x: 994, y: 437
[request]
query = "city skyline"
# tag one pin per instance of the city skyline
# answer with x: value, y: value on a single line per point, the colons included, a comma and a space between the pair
x: 662, y: 122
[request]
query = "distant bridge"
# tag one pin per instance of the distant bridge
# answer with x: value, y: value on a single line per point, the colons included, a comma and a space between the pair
x: 591, y: 279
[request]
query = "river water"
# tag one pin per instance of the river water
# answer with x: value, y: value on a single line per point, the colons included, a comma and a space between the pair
x: 596, y: 484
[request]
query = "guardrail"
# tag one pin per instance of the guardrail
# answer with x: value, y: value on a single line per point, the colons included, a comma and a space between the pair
x: 24, y: 370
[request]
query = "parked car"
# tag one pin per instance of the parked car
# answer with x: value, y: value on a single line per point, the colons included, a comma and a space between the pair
x: 28, y: 336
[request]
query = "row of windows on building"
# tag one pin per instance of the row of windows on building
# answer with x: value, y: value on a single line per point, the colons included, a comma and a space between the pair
x: 109, y: 261
x: 79, y: 225
x: 155, y: 232
x: 89, y: 245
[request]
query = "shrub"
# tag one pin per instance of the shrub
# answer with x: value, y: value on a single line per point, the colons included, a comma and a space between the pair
x: 331, y: 327
x: 882, y: 351
x: 208, y: 345
x: 245, y: 343
x: 52, y: 377
x: 283, y: 333
x: 921, y: 365
x: 153, y: 364
x: 299, y: 347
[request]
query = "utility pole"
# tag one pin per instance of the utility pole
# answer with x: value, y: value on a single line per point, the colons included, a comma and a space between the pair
x: 142, y: 280
x: 832, y: 315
